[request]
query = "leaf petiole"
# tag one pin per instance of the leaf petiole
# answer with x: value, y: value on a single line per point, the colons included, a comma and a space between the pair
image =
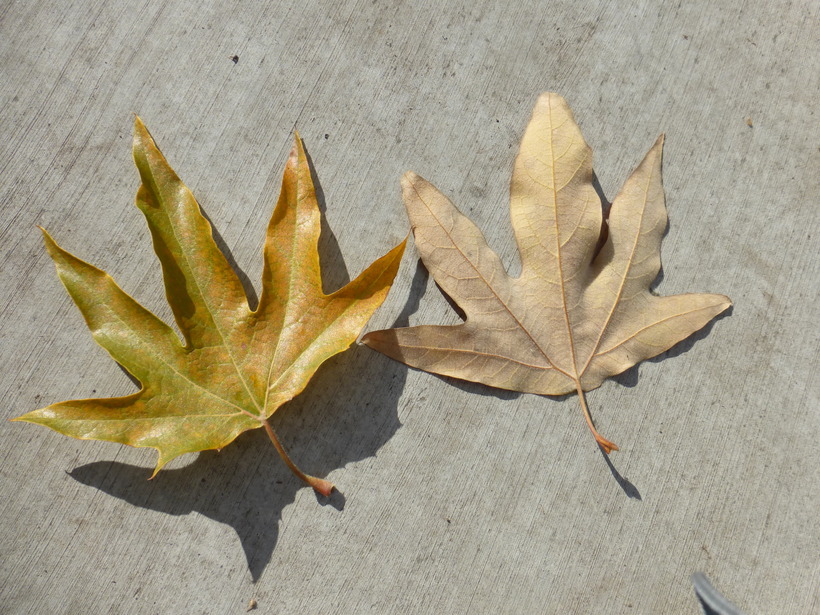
x: 319, y: 485
x: 602, y: 442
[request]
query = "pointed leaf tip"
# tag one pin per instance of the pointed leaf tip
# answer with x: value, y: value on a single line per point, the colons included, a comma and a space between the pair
x: 297, y: 151
x: 658, y: 144
x: 141, y: 143
x: 140, y: 130
x: 51, y: 245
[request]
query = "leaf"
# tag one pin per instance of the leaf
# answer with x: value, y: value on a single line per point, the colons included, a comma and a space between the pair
x: 576, y: 315
x: 236, y: 366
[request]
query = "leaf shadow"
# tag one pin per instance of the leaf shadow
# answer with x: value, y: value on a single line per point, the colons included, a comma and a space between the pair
x: 629, y: 489
x: 606, y: 205
x: 334, y: 270
x: 247, y: 285
x: 418, y: 286
x: 476, y: 388
x: 347, y: 413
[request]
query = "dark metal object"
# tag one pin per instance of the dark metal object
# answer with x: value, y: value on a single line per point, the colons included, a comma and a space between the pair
x: 711, y: 600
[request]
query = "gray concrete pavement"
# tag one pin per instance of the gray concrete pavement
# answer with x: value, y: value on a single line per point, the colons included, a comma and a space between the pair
x: 456, y: 498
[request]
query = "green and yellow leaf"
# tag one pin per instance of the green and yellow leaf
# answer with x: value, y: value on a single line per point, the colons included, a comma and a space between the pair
x: 235, y: 366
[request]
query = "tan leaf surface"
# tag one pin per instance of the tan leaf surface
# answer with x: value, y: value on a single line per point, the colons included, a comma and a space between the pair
x: 235, y: 366
x: 574, y: 316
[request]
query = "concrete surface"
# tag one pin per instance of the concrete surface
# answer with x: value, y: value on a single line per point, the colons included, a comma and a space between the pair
x: 456, y: 498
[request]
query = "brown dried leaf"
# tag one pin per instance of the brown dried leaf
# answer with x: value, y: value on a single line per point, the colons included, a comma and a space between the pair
x: 574, y: 316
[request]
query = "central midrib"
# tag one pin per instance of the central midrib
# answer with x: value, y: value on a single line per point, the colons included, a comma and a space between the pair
x: 575, y: 376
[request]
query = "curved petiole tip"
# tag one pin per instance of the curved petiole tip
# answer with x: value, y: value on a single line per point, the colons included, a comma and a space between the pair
x: 606, y: 445
x: 320, y: 485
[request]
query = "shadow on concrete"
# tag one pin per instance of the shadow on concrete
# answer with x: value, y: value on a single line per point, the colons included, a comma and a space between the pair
x: 347, y: 413
x: 343, y: 417
x: 606, y: 206
x: 331, y: 261
x: 629, y: 489
x: 247, y: 285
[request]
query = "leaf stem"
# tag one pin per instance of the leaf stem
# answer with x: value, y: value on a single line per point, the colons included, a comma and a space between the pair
x: 605, y: 444
x: 319, y: 485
